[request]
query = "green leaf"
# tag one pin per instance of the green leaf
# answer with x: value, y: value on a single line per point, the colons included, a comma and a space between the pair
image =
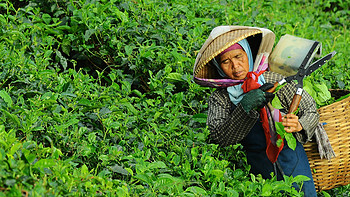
x: 323, y: 93
x: 44, y: 163
x: 318, y: 91
x: 280, y: 129
x: 232, y: 193
x: 301, y: 178
x: 10, y: 182
x: 308, y: 87
x: 279, y: 142
x: 62, y: 59
x: 12, y: 117
x: 6, y: 98
x: 196, y: 190
x: 144, y: 177
x: 276, y: 103
x: 266, y: 190
x: 84, y: 102
x: 119, y: 169
x: 30, y: 157
x: 325, y: 194
x: 88, y: 33
x: 291, y: 141
x: 218, y: 173
x: 157, y: 164
x: 129, y: 49
x: 46, y: 18
x: 14, y: 149
x: 84, y: 170
x: 201, y: 118
x: 174, y: 77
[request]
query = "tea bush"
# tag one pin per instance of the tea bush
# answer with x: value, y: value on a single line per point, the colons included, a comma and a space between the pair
x: 97, y: 98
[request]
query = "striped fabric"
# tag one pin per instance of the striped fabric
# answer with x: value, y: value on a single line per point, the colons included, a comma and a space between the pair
x: 229, y: 124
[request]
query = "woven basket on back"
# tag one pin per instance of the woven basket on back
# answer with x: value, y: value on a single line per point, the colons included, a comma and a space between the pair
x: 329, y: 174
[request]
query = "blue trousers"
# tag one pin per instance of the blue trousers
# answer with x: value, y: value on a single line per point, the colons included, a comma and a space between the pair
x: 293, y: 163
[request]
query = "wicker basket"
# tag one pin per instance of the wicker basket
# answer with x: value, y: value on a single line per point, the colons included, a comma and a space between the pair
x: 329, y: 174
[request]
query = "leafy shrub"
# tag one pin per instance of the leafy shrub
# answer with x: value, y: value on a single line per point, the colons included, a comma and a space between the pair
x: 97, y: 98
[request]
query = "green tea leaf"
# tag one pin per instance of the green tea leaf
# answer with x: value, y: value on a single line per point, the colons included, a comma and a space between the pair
x: 301, y: 178
x: 88, y: 33
x: 129, y: 49
x: 119, y: 169
x: 279, y: 142
x: 232, y: 193
x: 325, y: 194
x: 218, y: 173
x: 62, y: 59
x: 276, y: 103
x: 317, y: 90
x: 12, y: 117
x: 84, y: 170
x: 323, y: 93
x: 157, y: 164
x: 15, y: 147
x: 291, y: 141
x: 46, y: 18
x: 6, y: 97
x: 44, y: 163
x: 280, y: 129
x: 197, y: 190
x: 84, y: 102
x: 308, y: 87
x: 201, y: 118
x: 266, y: 190
x: 174, y: 77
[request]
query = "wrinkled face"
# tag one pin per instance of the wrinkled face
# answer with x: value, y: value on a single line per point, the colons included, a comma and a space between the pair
x: 235, y: 64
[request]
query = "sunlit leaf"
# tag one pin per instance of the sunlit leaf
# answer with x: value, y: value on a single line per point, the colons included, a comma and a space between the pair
x: 266, y: 190
x: 291, y: 141
x: 6, y: 97
x: 119, y: 169
x: 276, y: 103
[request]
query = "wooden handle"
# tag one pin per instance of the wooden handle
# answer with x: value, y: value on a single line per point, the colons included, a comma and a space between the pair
x: 274, y: 88
x: 295, y: 103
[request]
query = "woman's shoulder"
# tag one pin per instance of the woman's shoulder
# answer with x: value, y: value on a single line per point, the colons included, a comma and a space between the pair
x: 272, y: 77
x: 220, y: 94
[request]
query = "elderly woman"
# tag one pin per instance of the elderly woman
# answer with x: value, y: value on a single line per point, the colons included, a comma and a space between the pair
x: 234, y: 60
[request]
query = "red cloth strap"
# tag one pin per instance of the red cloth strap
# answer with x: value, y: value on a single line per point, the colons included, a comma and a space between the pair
x: 272, y: 151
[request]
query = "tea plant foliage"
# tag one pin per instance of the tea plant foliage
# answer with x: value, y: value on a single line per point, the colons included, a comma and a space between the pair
x: 97, y: 98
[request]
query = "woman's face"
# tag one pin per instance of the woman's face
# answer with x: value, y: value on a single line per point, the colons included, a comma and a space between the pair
x: 235, y: 64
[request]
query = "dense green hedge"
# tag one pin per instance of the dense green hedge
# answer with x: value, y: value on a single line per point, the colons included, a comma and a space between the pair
x: 96, y: 96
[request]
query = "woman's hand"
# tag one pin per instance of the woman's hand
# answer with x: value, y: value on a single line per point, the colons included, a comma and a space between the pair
x: 291, y: 123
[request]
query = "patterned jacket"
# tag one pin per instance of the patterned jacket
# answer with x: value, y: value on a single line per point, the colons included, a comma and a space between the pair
x: 229, y: 124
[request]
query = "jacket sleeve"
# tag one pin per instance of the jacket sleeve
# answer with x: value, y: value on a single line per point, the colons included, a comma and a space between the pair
x: 308, y: 115
x: 228, y: 123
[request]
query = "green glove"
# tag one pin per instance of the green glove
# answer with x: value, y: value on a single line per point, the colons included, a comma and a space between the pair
x: 269, y: 96
x: 253, y: 99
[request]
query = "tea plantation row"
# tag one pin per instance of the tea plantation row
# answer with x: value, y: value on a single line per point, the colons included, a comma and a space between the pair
x: 97, y: 98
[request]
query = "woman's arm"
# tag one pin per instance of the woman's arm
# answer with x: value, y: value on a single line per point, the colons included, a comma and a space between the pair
x: 227, y: 123
x: 308, y: 115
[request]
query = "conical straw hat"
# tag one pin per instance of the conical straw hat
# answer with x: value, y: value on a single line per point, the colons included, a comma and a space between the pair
x: 261, y: 41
